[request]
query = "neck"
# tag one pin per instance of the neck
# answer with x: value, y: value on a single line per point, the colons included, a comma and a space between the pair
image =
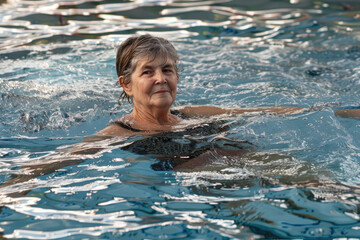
x: 156, y: 119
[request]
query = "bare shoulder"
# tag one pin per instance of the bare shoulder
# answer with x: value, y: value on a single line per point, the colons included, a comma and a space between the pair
x: 114, y: 130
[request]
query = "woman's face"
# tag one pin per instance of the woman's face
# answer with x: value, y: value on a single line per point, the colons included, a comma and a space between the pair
x: 153, y: 84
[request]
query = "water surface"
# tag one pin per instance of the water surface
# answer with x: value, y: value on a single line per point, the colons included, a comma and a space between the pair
x: 58, y: 85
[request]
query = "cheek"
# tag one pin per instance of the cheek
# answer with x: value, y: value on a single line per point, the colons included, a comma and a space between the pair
x: 148, y: 86
x: 144, y: 86
x: 173, y: 84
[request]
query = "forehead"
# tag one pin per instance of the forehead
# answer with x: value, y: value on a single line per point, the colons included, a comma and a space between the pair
x: 155, y: 62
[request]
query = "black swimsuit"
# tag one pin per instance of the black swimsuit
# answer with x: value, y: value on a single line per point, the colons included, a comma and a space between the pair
x: 176, y: 147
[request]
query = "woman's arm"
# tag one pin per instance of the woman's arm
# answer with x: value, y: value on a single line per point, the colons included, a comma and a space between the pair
x: 348, y: 113
x: 204, y: 111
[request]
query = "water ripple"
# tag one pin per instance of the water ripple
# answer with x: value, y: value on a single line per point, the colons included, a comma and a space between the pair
x: 58, y: 84
x: 22, y: 22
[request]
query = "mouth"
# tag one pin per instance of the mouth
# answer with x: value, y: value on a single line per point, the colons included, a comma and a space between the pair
x: 161, y: 91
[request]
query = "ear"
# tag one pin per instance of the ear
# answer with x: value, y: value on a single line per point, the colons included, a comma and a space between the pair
x: 126, y: 87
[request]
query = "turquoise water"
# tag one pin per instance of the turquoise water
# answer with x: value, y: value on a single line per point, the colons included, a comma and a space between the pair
x: 58, y: 85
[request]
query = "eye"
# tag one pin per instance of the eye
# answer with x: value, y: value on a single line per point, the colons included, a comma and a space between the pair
x: 168, y: 70
x: 147, y: 72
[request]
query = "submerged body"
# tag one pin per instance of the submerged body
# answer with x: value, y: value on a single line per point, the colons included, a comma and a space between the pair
x: 348, y: 113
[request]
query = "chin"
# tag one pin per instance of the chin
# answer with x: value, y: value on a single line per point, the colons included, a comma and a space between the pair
x: 166, y: 104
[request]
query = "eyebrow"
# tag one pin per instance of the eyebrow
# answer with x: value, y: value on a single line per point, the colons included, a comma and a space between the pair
x: 168, y: 65
x: 148, y: 66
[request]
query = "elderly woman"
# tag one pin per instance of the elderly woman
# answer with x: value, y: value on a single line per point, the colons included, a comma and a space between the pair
x: 147, y: 72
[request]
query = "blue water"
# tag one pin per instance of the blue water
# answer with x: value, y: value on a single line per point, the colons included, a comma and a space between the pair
x: 58, y: 85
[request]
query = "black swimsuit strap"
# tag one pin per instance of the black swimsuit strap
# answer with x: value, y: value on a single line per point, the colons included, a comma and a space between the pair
x: 128, y: 127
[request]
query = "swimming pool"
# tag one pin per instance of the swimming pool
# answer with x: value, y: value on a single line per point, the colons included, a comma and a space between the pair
x: 58, y: 85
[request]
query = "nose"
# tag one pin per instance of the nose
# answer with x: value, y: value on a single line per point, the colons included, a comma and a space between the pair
x: 159, y: 77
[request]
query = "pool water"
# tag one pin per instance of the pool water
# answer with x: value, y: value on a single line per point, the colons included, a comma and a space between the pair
x: 58, y: 86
